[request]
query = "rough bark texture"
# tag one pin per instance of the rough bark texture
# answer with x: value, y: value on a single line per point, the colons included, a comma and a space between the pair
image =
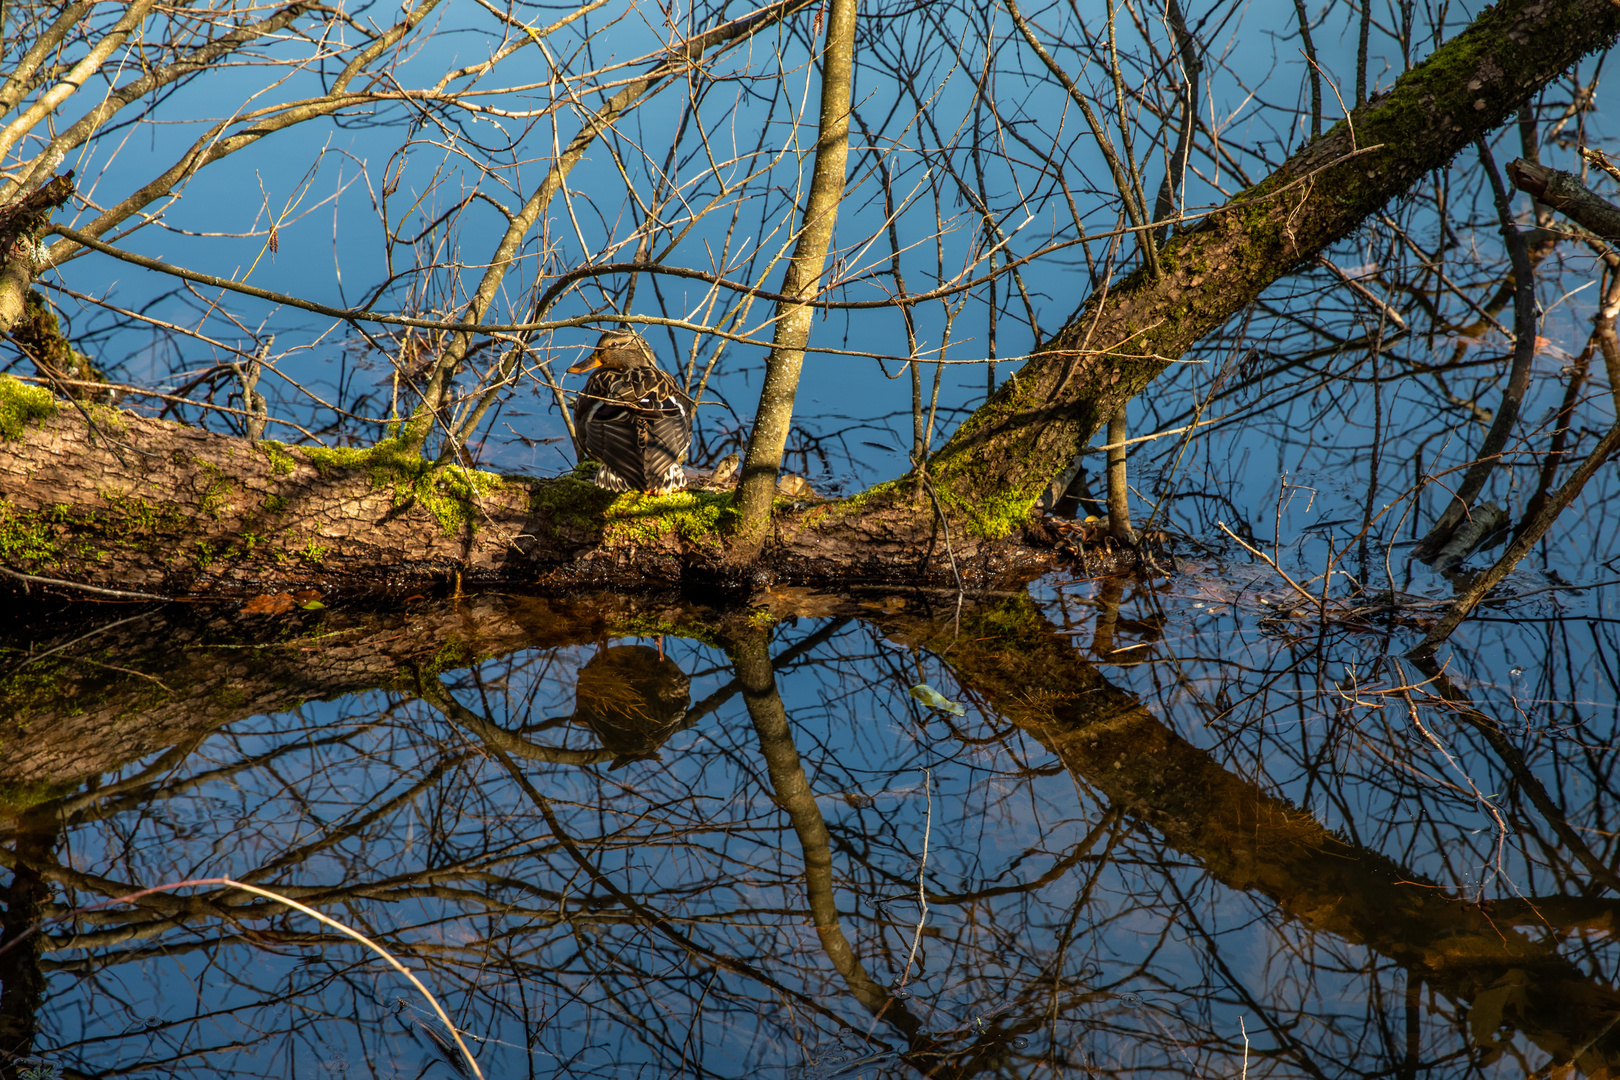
x: 21, y: 223
x: 773, y: 421
x: 106, y: 498
x: 1565, y: 193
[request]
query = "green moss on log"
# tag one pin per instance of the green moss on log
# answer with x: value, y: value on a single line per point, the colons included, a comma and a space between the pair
x: 216, y: 496
x: 282, y: 463
x: 571, y: 503
x: 21, y: 403
x: 450, y: 492
x: 384, y: 461
x: 632, y: 519
x: 697, y: 517
x: 39, y: 334
x: 24, y: 537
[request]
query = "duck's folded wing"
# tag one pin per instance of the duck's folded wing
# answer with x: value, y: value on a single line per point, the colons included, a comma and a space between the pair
x: 640, y: 427
x: 608, y: 432
x: 668, y: 437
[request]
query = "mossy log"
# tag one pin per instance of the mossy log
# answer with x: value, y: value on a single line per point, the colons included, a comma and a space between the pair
x: 99, y: 497
x: 999, y: 462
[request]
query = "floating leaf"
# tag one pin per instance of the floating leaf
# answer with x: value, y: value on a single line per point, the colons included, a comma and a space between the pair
x: 936, y: 700
x: 268, y: 604
x: 312, y: 605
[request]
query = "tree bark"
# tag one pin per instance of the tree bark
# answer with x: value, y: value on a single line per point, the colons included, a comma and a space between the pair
x: 21, y: 223
x: 1565, y: 193
x: 762, y: 464
x: 103, y: 498
x: 998, y: 463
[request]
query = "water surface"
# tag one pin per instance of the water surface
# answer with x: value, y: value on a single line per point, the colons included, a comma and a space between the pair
x: 1139, y: 828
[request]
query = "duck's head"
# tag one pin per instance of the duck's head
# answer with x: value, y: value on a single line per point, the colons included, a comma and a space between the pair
x: 617, y: 350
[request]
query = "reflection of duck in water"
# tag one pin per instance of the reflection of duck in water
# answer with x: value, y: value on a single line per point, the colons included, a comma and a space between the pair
x: 632, y: 698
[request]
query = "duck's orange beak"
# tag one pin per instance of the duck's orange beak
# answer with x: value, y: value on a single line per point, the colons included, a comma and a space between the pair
x: 592, y: 361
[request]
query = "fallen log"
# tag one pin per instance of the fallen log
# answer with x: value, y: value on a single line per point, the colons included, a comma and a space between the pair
x: 105, y: 498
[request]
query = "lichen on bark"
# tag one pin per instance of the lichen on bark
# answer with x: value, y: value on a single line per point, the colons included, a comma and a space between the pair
x: 22, y: 222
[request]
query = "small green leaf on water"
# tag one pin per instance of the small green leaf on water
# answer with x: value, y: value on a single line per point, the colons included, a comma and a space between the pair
x: 936, y: 700
x: 312, y: 605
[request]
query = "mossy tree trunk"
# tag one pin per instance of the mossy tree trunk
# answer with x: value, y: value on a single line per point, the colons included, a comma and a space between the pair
x: 996, y: 466
x: 117, y: 502
x: 22, y: 221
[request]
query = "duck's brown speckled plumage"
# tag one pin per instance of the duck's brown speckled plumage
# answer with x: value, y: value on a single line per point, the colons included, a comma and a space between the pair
x: 632, y: 417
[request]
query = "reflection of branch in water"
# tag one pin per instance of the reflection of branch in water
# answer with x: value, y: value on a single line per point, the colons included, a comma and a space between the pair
x: 436, y: 695
x: 1529, y: 782
x: 1254, y: 841
x: 750, y: 655
x: 922, y: 871
x: 22, y: 983
x: 27, y: 936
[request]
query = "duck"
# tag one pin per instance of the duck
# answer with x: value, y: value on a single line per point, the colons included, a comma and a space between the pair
x: 632, y: 417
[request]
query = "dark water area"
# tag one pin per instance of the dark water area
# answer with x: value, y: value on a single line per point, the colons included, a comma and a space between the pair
x: 1120, y: 827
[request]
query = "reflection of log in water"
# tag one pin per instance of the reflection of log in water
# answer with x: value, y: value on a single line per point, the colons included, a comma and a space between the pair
x: 95, y: 705
x: 79, y: 698
x: 1252, y: 840
x: 22, y: 983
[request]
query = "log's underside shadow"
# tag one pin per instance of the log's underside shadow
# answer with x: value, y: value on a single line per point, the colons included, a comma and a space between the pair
x: 106, y: 715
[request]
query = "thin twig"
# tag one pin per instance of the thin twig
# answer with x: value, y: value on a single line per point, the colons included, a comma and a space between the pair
x: 116, y: 594
x: 278, y: 898
x: 1269, y: 561
x: 69, y: 644
x: 922, y: 868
